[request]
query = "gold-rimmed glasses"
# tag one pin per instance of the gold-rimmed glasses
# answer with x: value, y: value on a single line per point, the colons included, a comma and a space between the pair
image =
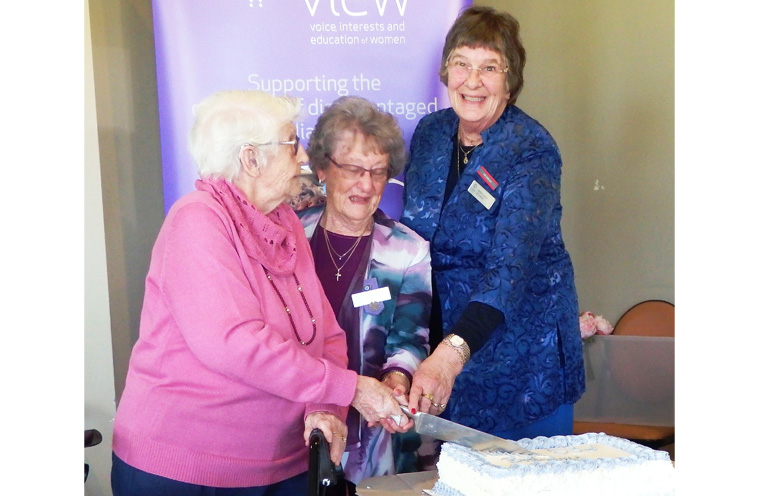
x: 462, y: 69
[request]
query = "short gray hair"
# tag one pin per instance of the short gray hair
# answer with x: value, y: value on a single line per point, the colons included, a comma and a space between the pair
x: 228, y: 120
x: 356, y: 114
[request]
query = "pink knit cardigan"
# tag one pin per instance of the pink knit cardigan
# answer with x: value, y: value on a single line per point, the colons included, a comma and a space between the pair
x: 218, y: 384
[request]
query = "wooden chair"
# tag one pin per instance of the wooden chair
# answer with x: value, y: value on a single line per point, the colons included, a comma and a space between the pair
x: 648, y: 318
x: 652, y: 318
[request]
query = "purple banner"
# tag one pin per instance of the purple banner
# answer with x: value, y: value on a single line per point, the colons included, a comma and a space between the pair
x: 387, y: 51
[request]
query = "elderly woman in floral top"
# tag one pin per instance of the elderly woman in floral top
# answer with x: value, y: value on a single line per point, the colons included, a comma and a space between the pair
x: 374, y: 270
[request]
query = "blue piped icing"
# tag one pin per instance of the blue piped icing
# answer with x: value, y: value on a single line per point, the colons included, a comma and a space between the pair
x: 531, y: 464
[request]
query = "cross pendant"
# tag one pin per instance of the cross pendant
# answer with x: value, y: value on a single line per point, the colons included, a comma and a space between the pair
x: 337, y: 276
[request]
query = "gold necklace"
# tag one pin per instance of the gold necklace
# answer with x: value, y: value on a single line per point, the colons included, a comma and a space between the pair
x: 465, y: 154
x: 332, y: 252
x: 350, y: 250
x: 471, y: 142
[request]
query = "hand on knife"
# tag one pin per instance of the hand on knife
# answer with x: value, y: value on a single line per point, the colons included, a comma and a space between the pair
x: 377, y: 404
x: 398, y: 423
x: 433, y: 381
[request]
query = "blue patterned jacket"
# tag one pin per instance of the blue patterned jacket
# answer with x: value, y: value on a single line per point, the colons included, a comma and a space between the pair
x: 510, y: 256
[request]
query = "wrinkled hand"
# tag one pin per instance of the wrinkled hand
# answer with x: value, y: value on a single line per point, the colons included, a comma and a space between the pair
x: 399, y: 422
x: 433, y: 380
x: 376, y: 403
x: 334, y: 429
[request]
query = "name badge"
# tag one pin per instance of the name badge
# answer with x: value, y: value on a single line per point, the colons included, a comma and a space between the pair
x: 480, y: 194
x: 370, y: 297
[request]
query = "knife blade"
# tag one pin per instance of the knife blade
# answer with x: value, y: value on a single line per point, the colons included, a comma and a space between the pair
x: 446, y: 430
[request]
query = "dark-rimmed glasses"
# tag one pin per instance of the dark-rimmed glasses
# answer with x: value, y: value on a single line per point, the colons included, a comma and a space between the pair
x: 355, y: 172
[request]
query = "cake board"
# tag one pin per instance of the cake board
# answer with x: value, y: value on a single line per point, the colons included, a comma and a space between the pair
x: 398, y: 485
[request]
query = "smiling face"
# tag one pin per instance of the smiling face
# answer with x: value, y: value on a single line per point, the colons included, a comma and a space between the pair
x: 479, y: 98
x: 352, y: 199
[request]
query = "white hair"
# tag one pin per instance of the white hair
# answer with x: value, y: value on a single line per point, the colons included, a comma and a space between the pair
x: 228, y: 120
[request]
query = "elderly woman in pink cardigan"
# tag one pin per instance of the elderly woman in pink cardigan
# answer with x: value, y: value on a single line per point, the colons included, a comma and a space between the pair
x: 239, y: 355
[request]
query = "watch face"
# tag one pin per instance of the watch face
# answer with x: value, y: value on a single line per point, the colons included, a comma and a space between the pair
x: 456, y: 340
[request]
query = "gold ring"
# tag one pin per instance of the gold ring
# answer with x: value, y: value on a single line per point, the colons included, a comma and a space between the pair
x: 428, y: 396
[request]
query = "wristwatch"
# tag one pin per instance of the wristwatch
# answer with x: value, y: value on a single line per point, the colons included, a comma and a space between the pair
x: 459, y: 345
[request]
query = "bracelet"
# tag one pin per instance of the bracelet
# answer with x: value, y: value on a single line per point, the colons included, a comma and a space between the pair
x: 397, y: 372
x: 459, y: 345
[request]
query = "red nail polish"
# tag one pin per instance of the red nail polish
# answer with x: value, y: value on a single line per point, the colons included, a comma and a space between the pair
x: 414, y: 410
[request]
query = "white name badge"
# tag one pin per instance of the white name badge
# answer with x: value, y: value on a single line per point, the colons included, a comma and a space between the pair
x: 371, y: 296
x: 480, y: 194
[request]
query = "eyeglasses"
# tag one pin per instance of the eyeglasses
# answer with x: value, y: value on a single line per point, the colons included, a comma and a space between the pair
x: 462, y: 69
x: 355, y: 172
x: 295, y: 143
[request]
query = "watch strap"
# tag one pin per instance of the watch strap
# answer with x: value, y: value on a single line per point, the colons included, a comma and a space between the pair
x: 463, y: 349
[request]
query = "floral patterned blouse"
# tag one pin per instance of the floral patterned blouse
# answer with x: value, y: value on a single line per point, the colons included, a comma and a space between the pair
x: 497, y: 240
x: 388, y: 336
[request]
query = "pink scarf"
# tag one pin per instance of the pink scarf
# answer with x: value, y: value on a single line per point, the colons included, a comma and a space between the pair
x: 267, y: 238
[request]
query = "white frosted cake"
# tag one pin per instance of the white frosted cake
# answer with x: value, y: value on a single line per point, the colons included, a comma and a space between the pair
x: 587, y: 465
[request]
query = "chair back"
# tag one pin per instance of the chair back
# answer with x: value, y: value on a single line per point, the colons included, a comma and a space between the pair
x: 654, y: 318
x: 630, y: 392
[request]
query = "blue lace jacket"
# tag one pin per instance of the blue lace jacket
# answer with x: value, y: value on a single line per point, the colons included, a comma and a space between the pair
x: 506, y: 252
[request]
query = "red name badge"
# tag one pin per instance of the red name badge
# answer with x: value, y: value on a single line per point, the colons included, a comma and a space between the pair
x: 488, y: 178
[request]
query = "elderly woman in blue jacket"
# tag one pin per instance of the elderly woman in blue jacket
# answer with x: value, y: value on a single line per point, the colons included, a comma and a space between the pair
x: 483, y: 186
x: 375, y: 271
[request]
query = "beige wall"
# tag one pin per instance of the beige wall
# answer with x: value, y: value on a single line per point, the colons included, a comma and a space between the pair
x: 124, y: 204
x: 99, y: 365
x: 600, y: 77
x: 131, y: 170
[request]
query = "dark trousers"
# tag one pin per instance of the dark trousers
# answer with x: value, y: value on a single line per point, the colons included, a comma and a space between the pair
x: 129, y: 481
